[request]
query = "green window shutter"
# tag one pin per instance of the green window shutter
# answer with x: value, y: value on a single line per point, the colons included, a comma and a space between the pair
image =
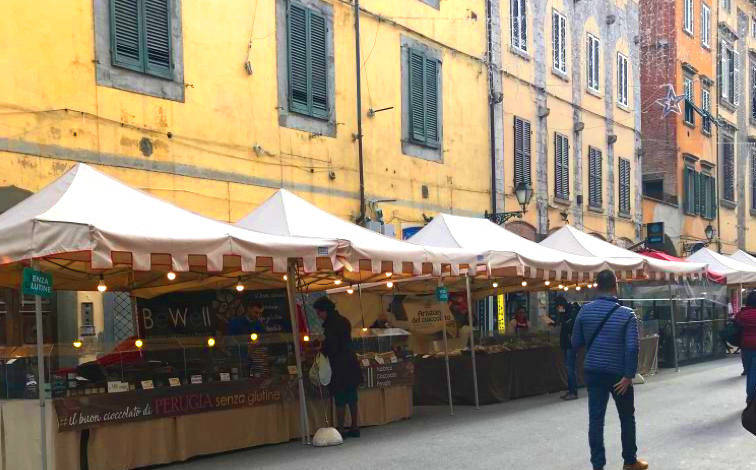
x: 157, y: 38
x: 686, y: 190
x: 698, y: 188
x: 713, y: 196
x: 431, y: 101
x: 125, y: 34
x: 521, y: 151
x: 417, y: 96
x: 299, y: 82
x: 319, y: 65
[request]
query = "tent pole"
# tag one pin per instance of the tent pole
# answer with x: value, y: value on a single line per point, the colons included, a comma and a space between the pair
x: 291, y: 287
x: 673, y: 317
x: 446, y: 357
x: 472, y: 341
x: 41, y: 376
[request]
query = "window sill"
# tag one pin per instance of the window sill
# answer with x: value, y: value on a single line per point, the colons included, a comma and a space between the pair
x: 705, y: 132
x: 689, y: 33
x: 728, y: 204
x: 727, y: 105
x: 624, y: 215
x: 706, y: 47
x: 559, y: 74
x: 624, y: 107
x: 692, y: 125
x: 596, y: 209
x: 594, y: 93
x: 520, y: 53
x: 561, y: 201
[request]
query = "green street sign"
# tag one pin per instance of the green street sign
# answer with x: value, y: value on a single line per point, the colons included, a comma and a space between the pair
x: 442, y: 294
x: 37, y: 283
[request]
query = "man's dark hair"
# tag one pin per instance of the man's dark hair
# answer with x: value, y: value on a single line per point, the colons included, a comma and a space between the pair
x: 325, y: 304
x: 751, y: 299
x: 606, y: 280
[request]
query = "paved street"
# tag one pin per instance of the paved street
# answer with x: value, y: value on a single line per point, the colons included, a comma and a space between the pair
x: 686, y: 420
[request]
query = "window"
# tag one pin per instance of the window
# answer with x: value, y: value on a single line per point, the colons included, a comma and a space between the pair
x: 708, y: 198
x: 519, y: 24
x: 753, y: 175
x: 690, y: 114
x: 705, y: 25
x: 726, y: 5
x: 424, y: 98
x: 729, y: 79
x: 595, y: 197
x: 561, y: 167
x: 753, y: 28
x: 624, y: 186
x: 622, y: 79
x: 308, y: 62
x: 728, y: 168
x: 559, y: 41
x: 688, y: 17
x: 593, y: 63
x: 753, y: 92
x: 706, y: 106
x: 141, y: 36
x: 521, y: 151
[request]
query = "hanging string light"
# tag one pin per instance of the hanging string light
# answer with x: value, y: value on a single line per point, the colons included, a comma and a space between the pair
x: 524, y: 283
x: 239, y: 286
x: 139, y: 343
x: 102, y: 287
x: 547, y: 283
x: 389, y: 284
x: 211, y: 341
x: 350, y: 291
x: 253, y: 336
x: 77, y: 344
x: 495, y: 285
x: 171, y: 276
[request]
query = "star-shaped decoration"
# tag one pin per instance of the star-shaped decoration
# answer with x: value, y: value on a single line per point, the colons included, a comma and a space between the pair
x: 671, y: 102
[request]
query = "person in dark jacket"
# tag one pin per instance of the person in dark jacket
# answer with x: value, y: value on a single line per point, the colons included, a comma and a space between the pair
x: 346, y: 372
x: 746, y: 318
x: 566, y: 315
x: 609, y: 332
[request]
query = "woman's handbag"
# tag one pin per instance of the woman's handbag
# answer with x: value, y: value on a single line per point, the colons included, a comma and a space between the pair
x: 320, y: 372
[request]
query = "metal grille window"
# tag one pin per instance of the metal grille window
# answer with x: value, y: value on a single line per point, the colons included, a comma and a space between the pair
x: 595, y: 190
x: 728, y: 168
x: 308, y: 62
x: 593, y: 55
x: 690, y: 114
x: 624, y: 186
x: 519, y: 24
x: 688, y: 16
x: 622, y: 81
x: 706, y: 106
x: 521, y: 151
x: 424, y: 98
x: 559, y: 41
x: 729, y: 74
x: 705, y: 25
x: 561, y: 167
x: 140, y: 36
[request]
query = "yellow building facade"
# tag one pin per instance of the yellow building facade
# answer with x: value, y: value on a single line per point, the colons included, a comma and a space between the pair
x: 213, y: 130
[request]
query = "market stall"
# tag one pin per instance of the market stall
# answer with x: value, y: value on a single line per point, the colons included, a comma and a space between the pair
x: 153, y: 393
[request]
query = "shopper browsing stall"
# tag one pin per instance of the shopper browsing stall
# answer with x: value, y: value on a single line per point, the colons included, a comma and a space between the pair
x: 566, y: 314
x: 746, y: 318
x: 346, y: 372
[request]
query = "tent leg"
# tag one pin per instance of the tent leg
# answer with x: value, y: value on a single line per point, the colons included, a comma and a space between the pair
x: 673, y: 319
x: 446, y: 360
x: 291, y: 287
x: 472, y: 341
x: 41, y: 377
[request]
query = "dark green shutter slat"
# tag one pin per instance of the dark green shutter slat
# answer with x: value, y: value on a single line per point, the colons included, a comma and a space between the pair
x: 519, y: 139
x: 319, y: 65
x: 431, y: 100
x: 157, y: 29
x: 298, y: 77
x: 713, y: 196
x: 595, y: 196
x: 698, y: 188
x: 686, y: 190
x: 125, y: 34
x: 526, y: 152
x: 417, y: 96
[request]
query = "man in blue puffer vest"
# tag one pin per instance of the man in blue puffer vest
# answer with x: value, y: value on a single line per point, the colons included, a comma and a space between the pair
x: 609, y: 332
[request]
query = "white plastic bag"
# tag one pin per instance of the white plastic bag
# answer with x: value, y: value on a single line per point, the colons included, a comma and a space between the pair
x: 320, y: 372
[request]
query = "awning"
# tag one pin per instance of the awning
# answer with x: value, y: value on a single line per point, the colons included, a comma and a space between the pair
x: 736, y: 271
x: 712, y: 275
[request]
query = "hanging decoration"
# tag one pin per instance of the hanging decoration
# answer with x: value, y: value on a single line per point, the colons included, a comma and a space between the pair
x: 671, y: 102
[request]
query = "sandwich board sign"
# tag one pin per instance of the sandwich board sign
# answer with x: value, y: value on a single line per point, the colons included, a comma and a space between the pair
x: 37, y: 283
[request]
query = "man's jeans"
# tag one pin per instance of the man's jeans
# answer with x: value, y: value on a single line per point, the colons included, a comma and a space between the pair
x: 749, y: 365
x: 600, y: 386
x: 569, y: 360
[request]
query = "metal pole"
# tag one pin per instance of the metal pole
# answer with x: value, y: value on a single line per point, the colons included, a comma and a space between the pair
x: 291, y: 288
x: 446, y: 358
x: 41, y: 376
x: 358, y: 76
x: 472, y: 342
x: 673, y: 316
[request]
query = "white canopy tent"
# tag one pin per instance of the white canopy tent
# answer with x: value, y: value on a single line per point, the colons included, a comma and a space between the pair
x: 626, y: 263
x: 736, y: 271
x: 743, y: 257
x: 287, y: 214
x: 504, y: 248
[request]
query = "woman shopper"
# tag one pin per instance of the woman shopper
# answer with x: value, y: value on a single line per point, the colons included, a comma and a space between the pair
x: 345, y: 368
x: 746, y: 318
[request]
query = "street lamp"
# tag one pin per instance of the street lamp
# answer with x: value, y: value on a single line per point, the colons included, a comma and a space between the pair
x: 695, y: 246
x: 709, y: 232
x: 524, y: 193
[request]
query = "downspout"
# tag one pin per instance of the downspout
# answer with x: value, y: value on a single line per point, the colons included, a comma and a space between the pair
x: 358, y: 65
x: 491, y: 104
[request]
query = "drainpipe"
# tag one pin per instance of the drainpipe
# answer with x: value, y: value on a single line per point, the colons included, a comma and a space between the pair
x: 491, y: 104
x: 358, y: 65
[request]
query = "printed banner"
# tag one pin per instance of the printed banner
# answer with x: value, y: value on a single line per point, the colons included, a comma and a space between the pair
x: 426, y: 317
x: 388, y: 374
x: 115, y: 408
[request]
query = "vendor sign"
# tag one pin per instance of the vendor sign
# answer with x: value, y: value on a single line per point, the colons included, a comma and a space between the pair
x: 426, y: 317
x: 115, y: 408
